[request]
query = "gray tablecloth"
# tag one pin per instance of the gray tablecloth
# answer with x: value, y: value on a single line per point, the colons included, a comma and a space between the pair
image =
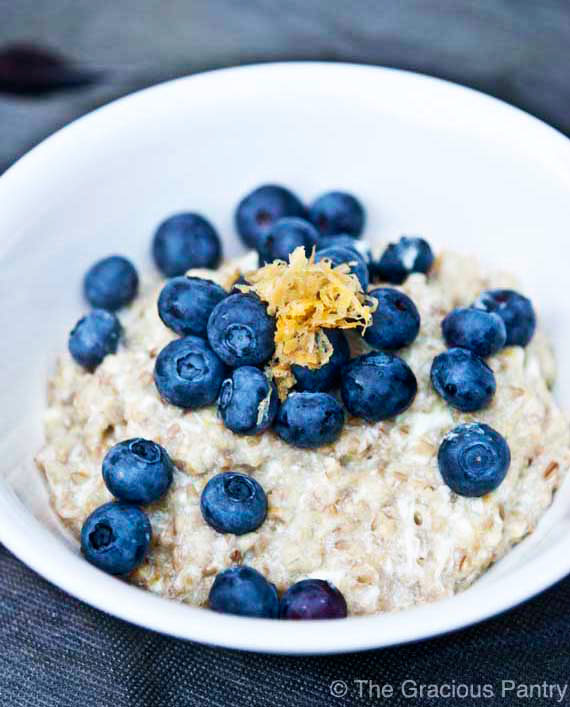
x: 57, y: 651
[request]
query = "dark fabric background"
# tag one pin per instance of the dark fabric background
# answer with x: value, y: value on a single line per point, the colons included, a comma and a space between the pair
x: 55, y: 650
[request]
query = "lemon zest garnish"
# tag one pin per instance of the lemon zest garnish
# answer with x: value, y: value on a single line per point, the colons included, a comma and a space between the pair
x: 306, y: 297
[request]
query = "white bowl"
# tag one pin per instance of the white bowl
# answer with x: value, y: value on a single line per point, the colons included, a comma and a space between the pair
x: 467, y: 171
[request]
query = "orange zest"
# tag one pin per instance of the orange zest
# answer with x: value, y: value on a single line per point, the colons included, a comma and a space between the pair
x: 306, y: 297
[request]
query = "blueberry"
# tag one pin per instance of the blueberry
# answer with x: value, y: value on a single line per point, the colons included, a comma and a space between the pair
x: 284, y: 236
x: 340, y: 240
x: 115, y: 537
x: 337, y: 212
x: 338, y: 255
x: 312, y: 599
x: 396, y: 321
x: 241, y: 332
x: 245, y: 592
x: 377, y: 386
x: 482, y: 332
x: 248, y: 402
x: 473, y: 459
x: 410, y: 254
x: 260, y: 209
x: 309, y: 420
x: 185, y: 303
x: 328, y: 375
x: 233, y: 503
x: 137, y: 471
x: 186, y: 241
x: 515, y: 310
x: 93, y: 337
x: 111, y: 283
x: 188, y: 373
x: 343, y: 241
x: 463, y: 379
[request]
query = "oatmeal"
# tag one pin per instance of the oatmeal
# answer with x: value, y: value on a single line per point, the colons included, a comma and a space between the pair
x: 369, y: 512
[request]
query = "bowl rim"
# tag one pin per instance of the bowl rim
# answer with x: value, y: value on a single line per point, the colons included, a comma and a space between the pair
x: 26, y: 538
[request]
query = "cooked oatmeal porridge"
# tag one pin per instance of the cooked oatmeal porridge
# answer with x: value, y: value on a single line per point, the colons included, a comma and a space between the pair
x: 369, y: 512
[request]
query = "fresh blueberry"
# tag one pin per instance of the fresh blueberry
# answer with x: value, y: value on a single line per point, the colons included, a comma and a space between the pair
x: 93, y: 337
x: 111, y: 283
x: 328, y: 375
x: 312, y: 599
x: 377, y: 386
x: 248, y: 402
x: 410, y: 254
x: 463, y: 379
x: 115, y: 537
x: 395, y: 322
x: 338, y: 255
x: 337, y: 212
x: 260, y: 209
x: 233, y: 503
x: 185, y: 241
x: 241, y: 332
x: 515, y: 310
x: 473, y: 459
x: 284, y: 236
x: 185, y: 303
x: 343, y: 241
x: 309, y: 420
x: 137, y: 471
x: 482, y: 332
x: 340, y: 240
x: 245, y: 592
x: 188, y: 373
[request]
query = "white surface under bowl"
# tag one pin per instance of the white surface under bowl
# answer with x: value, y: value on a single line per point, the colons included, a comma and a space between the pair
x: 467, y: 171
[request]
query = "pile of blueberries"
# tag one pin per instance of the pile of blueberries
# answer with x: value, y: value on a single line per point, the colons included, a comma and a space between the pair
x: 226, y: 338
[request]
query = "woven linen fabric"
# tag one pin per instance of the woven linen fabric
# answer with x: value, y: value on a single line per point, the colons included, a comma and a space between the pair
x: 56, y: 651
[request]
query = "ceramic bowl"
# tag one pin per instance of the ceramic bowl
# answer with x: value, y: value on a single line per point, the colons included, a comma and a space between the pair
x: 468, y: 172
